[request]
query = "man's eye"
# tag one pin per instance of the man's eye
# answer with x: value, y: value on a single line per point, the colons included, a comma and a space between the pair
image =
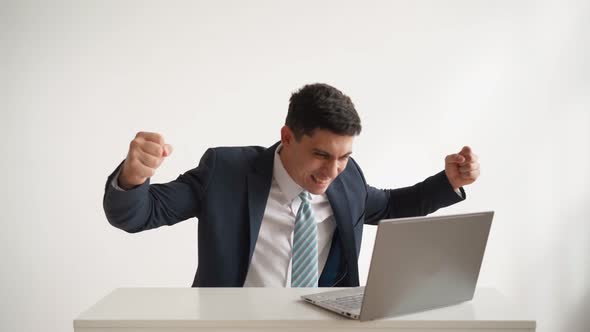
x: 320, y: 155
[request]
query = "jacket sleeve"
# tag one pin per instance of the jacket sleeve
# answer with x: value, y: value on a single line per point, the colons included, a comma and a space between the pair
x: 150, y: 206
x: 418, y: 200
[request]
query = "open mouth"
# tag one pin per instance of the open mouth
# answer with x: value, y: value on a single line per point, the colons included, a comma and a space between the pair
x: 321, y: 182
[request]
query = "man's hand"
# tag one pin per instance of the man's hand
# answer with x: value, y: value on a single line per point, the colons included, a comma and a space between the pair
x: 462, y: 168
x: 146, y: 153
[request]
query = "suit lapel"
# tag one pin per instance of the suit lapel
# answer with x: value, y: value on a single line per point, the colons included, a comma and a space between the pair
x: 340, y: 202
x: 259, y: 182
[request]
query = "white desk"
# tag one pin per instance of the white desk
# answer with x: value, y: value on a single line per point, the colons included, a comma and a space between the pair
x: 279, y: 309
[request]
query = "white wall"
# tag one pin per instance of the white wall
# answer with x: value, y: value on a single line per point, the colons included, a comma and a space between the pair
x: 80, y: 78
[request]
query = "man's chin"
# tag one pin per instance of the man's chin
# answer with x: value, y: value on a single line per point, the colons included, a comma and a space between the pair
x: 318, y: 192
x: 318, y: 189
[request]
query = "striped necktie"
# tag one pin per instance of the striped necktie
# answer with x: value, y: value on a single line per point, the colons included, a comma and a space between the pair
x: 304, y: 270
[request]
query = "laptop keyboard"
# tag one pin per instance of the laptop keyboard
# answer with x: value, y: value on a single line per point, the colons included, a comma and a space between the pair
x: 346, y: 303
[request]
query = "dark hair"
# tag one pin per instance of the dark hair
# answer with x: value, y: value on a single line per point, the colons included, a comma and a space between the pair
x: 320, y: 106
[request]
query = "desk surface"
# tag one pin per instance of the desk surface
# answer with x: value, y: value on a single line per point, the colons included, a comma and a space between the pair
x: 251, y: 308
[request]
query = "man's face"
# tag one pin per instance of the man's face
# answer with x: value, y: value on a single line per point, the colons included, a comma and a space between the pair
x: 315, y: 161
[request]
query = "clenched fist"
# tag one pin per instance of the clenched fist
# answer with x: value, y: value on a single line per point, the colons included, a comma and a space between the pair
x: 146, y: 153
x: 462, y: 168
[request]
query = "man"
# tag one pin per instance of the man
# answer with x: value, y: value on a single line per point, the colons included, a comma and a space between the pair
x: 290, y: 215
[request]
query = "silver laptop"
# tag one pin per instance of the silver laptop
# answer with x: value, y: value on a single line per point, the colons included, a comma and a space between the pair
x: 417, y: 264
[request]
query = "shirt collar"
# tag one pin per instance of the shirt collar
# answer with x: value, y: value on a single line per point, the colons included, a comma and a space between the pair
x: 288, y: 186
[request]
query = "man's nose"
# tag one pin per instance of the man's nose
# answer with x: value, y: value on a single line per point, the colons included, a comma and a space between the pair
x: 332, y: 169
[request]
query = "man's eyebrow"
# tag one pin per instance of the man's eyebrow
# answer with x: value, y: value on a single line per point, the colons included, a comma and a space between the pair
x: 326, y: 153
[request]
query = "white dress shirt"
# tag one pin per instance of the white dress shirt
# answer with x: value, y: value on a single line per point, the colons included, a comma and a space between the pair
x: 271, y: 261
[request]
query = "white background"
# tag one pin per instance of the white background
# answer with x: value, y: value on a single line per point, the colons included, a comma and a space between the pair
x: 80, y: 78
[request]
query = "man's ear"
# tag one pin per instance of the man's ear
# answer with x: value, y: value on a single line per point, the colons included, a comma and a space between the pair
x: 287, y: 136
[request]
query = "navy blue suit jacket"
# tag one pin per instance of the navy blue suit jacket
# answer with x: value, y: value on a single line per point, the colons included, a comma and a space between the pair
x: 228, y: 191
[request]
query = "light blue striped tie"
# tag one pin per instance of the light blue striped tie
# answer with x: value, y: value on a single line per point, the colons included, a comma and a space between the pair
x: 304, y: 270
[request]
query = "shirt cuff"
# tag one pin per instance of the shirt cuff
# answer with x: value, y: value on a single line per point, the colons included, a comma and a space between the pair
x: 115, y: 181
